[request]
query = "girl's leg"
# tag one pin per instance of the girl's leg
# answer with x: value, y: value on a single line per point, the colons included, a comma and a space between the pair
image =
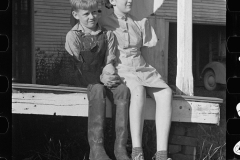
x: 138, y: 98
x: 163, y: 98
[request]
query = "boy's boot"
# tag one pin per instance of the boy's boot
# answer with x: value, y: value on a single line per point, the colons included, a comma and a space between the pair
x: 96, y: 119
x: 121, y: 129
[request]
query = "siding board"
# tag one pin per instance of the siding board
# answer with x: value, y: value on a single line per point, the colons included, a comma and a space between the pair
x: 52, y: 22
x: 215, y: 11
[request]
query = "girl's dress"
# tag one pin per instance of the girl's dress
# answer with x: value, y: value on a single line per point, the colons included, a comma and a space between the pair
x: 131, y: 36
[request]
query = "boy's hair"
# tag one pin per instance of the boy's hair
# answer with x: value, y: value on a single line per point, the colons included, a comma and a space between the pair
x: 83, y: 4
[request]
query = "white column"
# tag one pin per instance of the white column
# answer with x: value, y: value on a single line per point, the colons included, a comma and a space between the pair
x: 184, y: 79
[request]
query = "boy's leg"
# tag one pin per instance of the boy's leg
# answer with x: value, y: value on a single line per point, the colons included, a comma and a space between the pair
x: 138, y: 98
x: 96, y: 121
x: 121, y: 97
x: 163, y: 98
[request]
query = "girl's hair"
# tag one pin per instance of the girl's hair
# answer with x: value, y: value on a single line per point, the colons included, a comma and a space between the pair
x: 83, y: 4
x: 108, y: 4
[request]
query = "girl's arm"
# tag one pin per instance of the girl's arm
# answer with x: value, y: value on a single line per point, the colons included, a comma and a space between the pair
x: 149, y: 36
x: 109, y: 75
x: 111, y: 49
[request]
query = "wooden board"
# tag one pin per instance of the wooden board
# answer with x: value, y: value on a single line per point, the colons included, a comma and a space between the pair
x: 52, y: 22
x: 71, y: 89
x: 205, y: 12
x: 67, y: 103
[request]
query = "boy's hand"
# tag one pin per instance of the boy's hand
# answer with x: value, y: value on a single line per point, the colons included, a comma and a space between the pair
x: 110, y: 80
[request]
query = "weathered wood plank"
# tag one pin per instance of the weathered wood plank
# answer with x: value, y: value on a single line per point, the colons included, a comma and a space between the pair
x: 36, y: 88
x: 50, y: 26
x: 61, y: 38
x: 52, y: 4
x: 197, y: 20
x: 49, y: 21
x: 208, y: 12
x: 76, y: 104
x: 204, y: 15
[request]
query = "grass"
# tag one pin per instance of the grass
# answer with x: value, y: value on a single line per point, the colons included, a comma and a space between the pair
x: 212, y: 143
x: 212, y: 138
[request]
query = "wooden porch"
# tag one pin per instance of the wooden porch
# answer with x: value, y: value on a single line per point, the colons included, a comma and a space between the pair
x: 72, y: 101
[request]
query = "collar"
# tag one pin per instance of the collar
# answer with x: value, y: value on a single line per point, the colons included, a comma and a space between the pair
x: 78, y: 27
x: 123, y: 17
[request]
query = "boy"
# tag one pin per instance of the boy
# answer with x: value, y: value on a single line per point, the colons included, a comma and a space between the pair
x: 92, y: 47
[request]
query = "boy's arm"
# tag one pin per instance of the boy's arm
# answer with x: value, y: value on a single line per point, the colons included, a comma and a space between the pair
x: 72, y: 45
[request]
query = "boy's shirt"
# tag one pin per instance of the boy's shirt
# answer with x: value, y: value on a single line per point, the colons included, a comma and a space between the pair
x: 91, y: 52
x: 73, y: 42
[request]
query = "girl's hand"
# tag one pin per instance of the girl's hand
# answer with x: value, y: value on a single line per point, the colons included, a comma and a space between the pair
x: 110, y: 80
x: 109, y: 69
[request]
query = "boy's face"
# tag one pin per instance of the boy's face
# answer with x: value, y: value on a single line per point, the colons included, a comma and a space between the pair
x: 88, y: 18
x: 123, y: 6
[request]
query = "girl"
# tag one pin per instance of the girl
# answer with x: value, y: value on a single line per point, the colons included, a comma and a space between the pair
x: 140, y: 77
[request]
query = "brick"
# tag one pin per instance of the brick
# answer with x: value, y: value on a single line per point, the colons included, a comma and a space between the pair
x: 189, y: 150
x: 174, y: 148
x: 192, y: 131
x: 178, y: 130
x: 183, y: 140
x: 179, y: 156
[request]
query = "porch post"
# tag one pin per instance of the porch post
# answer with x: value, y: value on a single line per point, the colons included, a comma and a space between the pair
x: 184, y: 79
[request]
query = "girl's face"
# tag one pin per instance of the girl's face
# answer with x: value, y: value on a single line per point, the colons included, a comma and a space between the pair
x: 123, y: 6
